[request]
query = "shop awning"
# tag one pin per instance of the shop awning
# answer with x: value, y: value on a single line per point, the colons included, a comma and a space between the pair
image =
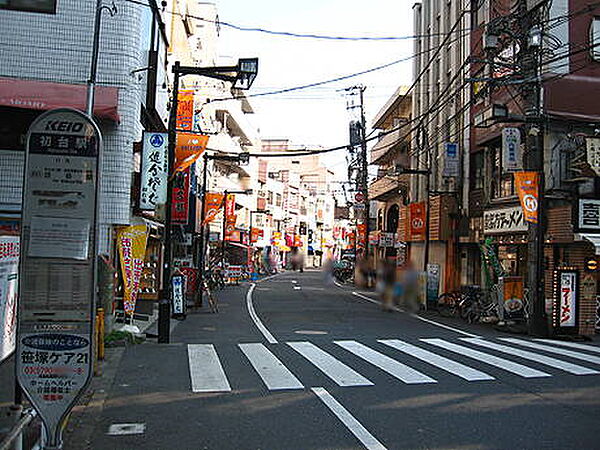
x: 594, y: 239
x: 44, y: 95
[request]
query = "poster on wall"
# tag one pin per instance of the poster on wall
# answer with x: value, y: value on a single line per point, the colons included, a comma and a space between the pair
x: 9, y: 274
x: 131, y: 242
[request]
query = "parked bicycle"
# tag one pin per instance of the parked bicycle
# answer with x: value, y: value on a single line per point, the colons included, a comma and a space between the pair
x: 471, y: 304
x: 343, y: 271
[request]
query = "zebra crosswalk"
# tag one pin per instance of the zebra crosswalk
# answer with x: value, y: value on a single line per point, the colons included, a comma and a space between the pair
x: 468, y: 359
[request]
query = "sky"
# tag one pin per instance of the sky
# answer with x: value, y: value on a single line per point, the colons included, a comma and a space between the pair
x: 318, y: 116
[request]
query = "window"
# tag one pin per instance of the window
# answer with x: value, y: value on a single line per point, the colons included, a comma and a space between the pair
x: 502, y: 183
x: 41, y: 6
x: 477, y: 170
x: 270, y: 197
x: 278, y: 200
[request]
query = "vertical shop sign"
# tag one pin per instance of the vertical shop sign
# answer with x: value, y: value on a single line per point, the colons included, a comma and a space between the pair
x: 589, y: 215
x: 433, y: 283
x: 131, y: 242
x: 592, y: 147
x: 451, y: 160
x: 230, y: 205
x: 178, y: 295
x: 181, y: 198
x: 567, y: 298
x: 185, y: 110
x: 417, y: 218
x: 361, y: 232
x: 526, y: 184
x: 58, y: 264
x: 511, y: 149
x: 9, y: 275
x: 153, y: 189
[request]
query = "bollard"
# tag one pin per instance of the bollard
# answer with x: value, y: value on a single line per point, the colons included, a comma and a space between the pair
x: 95, y: 348
x: 101, y: 332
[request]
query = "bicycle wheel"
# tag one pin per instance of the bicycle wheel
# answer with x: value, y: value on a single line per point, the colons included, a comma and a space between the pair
x: 446, y: 304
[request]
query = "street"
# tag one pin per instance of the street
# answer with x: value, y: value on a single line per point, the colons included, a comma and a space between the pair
x: 294, y: 364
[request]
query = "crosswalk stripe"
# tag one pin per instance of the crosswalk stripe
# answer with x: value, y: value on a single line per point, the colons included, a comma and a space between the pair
x: 272, y: 371
x: 330, y: 366
x: 502, y: 363
x: 455, y: 368
x: 589, y: 348
x: 558, y: 351
x: 552, y: 362
x: 206, y: 372
x: 385, y: 363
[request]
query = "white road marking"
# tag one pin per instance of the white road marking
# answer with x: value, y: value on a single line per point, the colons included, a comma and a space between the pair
x: 558, y: 351
x: 268, y: 336
x: 330, y: 366
x: 294, y: 281
x: 364, y: 297
x: 297, y: 288
x: 272, y: 371
x: 586, y: 347
x: 355, y: 427
x: 206, y: 372
x: 502, y: 363
x: 385, y: 363
x: 455, y: 368
x: 441, y: 325
x: 552, y: 362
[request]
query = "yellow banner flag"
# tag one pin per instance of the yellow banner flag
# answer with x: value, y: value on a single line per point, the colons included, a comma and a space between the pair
x: 131, y: 242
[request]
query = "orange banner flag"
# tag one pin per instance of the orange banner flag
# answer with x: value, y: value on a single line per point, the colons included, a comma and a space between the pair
x: 212, y: 205
x: 527, y: 185
x: 188, y: 148
x: 185, y: 110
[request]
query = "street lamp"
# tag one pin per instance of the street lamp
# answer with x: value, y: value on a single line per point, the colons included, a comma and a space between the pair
x: 241, y: 76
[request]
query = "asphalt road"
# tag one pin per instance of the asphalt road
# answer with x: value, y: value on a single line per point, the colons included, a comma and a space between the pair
x: 319, y: 367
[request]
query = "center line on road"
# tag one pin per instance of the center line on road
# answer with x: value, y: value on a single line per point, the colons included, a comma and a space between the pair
x: 268, y: 336
x: 297, y: 288
x: 354, y: 426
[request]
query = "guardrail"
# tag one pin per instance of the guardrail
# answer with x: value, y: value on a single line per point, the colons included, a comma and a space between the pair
x: 14, y: 438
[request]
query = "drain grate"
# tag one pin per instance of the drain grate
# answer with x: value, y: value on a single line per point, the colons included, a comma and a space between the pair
x: 122, y: 429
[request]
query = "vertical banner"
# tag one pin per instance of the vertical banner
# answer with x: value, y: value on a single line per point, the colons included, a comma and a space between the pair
x: 153, y: 189
x: 58, y: 257
x: 451, y: 160
x: 567, y: 299
x: 433, y: 283
x: 9, y: 275
x: 527, y: 184
x: 177, y: 293
x: 361, y: 235
x: 188, y: 148
x: 230, y: 232
x: 230, y: 205
x: 417, y: 217
x: 511, y: 150
x: 180, y: 205
x: 131, y: 242
x: 185, y: 110
x: 213, y: 203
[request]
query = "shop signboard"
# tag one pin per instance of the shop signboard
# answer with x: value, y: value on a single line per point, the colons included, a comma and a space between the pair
x: 504, y: 220
x: 177, y: 293
x: 58, y: 264
x: 512, y: 293
x: 180, y: 205
x: 386, y: 239
x: 592, y: 146
x: 589, y: 215
x: 433, y: 283
x: 9, y: 275
x: 526, y: 184
x: 153, y: 189
x: 451, y: 160
x: 567, y: 299
x: 511, y: 149
x: 417, y: 218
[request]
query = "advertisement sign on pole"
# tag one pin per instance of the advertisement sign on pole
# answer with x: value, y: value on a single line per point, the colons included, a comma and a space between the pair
x: 153, y: 189
x: 511, y: 149
x: 58, y: 270
x: 9, y: 275
x: 526, y: 184
x: 451, y: 160
x: 567, y: 301
x: 178, y: 299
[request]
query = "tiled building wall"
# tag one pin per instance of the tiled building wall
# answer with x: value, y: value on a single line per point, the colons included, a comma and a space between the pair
x: 57, y: 48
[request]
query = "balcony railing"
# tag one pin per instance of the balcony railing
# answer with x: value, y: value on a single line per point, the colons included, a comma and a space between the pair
x: 388, y: 143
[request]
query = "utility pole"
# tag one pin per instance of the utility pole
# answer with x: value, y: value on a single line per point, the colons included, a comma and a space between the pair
x: 364, y: 175
x: 530, y: 59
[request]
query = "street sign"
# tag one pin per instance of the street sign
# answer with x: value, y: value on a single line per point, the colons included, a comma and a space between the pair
x: 511, y: 149
x: 58, y: 264
x: 451, y: 160
x: 359, y: 197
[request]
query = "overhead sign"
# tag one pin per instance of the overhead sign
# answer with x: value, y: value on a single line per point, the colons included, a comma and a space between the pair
x: 527, y: 186
x: 58, y: 264
x: 511, y: 149
x: 592, y: 146
x: 589, y: 215
x: 451, y: 160
x: 567, y: 285
x: 504, y: 220
x: 153, y: 190
x: 9, y: 276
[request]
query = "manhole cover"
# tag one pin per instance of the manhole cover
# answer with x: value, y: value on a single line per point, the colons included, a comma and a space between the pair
x: 121, y: 429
